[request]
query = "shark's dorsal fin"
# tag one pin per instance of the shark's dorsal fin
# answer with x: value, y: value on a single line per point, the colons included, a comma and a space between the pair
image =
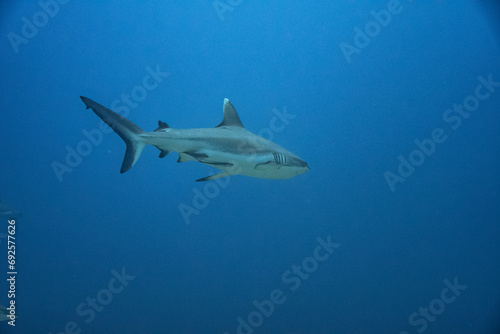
x: 161, y: 126
x: 231, y: 117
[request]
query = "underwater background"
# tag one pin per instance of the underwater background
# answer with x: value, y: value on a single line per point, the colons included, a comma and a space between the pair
x: 395, y: 105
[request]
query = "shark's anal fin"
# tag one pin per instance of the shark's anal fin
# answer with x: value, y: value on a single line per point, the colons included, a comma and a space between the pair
x: 213, y: 177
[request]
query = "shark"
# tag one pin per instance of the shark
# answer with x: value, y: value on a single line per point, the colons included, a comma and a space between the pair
x: 229, y: 146
x: 4, y: 314
x: 7, y: 212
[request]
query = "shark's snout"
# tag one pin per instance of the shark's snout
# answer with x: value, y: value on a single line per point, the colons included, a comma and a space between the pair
x: 305, y: 167
x: 299, y: 165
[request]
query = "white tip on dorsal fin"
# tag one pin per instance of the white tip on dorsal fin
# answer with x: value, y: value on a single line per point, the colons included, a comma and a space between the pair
x: 231, y: 117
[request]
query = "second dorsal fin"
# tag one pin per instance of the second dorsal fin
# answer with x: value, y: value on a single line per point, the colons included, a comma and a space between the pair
x: 162, y: 125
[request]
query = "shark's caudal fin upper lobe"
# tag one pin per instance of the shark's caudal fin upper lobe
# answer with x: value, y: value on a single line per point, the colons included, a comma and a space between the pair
x: 129, y: 132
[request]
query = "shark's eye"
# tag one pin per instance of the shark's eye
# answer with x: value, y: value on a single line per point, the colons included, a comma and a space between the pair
x: 279, y: 158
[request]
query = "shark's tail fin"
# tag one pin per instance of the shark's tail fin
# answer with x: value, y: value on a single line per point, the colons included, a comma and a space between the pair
x: 129, y: 132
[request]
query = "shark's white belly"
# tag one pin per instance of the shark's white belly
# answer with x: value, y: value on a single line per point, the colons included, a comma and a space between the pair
x: 248, y: 165
x: 239, y: 154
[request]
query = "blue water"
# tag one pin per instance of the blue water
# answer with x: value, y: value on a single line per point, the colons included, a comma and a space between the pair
x: 395, y: 229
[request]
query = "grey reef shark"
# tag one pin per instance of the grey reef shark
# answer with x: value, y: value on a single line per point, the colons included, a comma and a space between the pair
x: 228, y: 147
x: 4, y: 314
x: 8, y: 212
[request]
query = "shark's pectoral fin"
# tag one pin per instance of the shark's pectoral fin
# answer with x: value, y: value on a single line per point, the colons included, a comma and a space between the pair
x: 191, y: 156
x: 218, y: 164
x: 213, y: 177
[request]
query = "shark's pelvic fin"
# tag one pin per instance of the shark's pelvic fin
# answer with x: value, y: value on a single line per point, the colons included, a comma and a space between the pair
x: 191, y: 156
x: 213, y: 177
x: 231, y: 117
x: 128, y: 131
